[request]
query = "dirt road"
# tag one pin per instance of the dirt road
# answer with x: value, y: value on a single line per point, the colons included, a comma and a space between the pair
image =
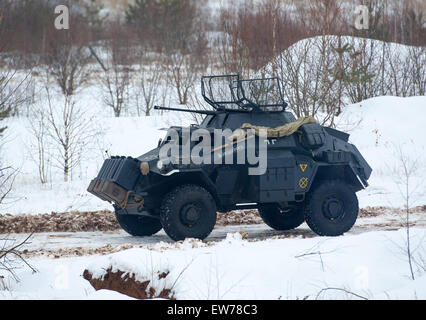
x: 60, y: 244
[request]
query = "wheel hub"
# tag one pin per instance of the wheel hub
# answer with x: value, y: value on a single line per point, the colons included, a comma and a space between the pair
x: 333, y: 208
x: 190, y: 214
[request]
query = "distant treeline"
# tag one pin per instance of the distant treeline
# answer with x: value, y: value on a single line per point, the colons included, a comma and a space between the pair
x: 242, y: 34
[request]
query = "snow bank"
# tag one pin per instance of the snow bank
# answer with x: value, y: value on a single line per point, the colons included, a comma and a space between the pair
x: 372, y: 265
x: 154, y: 285
x: 381, y: 127
x: 318, y: 43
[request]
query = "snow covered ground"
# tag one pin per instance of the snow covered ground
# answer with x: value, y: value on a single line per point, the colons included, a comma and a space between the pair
x: 372, y: 265
x: 234, y: 262
x: 383, y: 128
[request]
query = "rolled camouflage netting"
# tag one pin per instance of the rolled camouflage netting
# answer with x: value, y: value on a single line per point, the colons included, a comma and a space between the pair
x: 281, y: 131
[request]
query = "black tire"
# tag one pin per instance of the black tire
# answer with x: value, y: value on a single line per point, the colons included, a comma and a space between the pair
x: 135, y: 225
x: 188, y: 211
x: 331, y: 208
x: 281, y: 218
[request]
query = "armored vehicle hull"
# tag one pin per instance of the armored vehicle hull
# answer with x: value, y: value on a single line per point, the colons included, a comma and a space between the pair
x: 311, y: 174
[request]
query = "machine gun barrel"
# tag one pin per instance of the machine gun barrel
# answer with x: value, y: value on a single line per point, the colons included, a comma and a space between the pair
x: 207, y: 112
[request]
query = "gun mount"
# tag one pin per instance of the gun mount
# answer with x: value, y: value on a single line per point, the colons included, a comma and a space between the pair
x: 228, y: 93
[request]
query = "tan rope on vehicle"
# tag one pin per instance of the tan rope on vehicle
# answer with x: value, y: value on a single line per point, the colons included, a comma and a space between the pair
x: 281, y: 131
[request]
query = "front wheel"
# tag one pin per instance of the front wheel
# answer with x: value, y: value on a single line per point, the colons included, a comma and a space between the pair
x: 188, y: 211
x: 136, y: 225
x: 331, y: 208
x: 281, y: 218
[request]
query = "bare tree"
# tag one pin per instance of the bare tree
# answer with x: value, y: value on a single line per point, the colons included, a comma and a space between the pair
x: 149, y: 84
x: 398, y: 72
x: 183, y: 70
x: 7, y: 178
x: 10, y: 255
x: 10, y: 97
x: 417, y: 62
x: 38, y: 127
x: 324, y: 17
x: 196, y: 102
x: 5, y: 109
x: 234, y: 54
x: 68, y: 127
x: 67, y: 64
x: 362, y: 65
x: 115, y: 82
x: 71, y: 131
x: 322, y: 74
x: 165, y: 25
x: 116, y: 76
x: 16, y: 90
x: 420, y: 258
x: 405, y: 174
x: 308, y: 85
x: 254, y: 32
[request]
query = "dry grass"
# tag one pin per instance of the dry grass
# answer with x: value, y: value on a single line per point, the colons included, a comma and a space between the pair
x: 105, y: 220
x: 59, y: 222
x: 238, y: 217
x: 96, y: 221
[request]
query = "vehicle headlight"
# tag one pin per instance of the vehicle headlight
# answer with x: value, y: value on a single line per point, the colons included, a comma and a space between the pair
x: 144, y: 167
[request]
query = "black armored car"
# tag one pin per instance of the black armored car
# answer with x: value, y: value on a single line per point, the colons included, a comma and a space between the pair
x: 311, y: 172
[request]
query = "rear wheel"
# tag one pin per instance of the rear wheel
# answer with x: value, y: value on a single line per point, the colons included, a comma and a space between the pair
x: 331, y: 208
x: 281, y: 218
x: 188, y: 211
x: 137, y: 225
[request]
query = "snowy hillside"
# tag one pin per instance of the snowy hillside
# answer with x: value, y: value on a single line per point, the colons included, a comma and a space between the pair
x: 380, y: 128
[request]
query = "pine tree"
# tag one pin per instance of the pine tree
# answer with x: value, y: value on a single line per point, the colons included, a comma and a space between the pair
x: 355, y: 76
x: 92, y: 12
